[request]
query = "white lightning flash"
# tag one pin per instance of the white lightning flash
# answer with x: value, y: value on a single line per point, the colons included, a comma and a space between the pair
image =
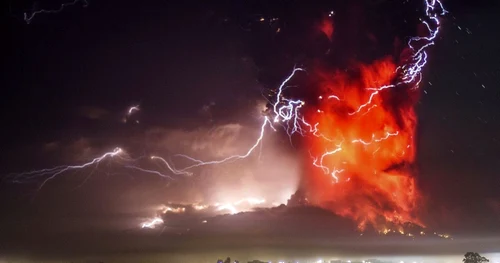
x: 199, y: 163
x: 152, y: 223
x: 411, y: 72
x: 55, y: 171
x: 132, y: 110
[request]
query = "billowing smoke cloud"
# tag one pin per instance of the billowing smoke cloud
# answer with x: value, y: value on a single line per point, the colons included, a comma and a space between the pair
x: 360, y: 167
x: 360, y: 139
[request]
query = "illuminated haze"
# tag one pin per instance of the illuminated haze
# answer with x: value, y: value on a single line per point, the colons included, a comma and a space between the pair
x: 271, y: 172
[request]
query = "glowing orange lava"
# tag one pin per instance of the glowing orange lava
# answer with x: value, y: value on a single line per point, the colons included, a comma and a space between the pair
x: 361, y: 154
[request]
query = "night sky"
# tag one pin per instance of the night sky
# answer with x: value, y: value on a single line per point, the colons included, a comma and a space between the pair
x: 198, y: 68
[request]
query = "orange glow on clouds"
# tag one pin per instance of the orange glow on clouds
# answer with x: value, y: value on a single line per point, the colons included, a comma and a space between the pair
x: 326, y: 26
x: 364, y: 177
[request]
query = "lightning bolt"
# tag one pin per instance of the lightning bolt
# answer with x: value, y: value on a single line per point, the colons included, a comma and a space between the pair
x: 198, y: 163
x: 132, y: 109
x: 148, y: 171
x: 152, y: 223
x: 30, y: 17
x: 55, y: 171
x: 169, y: 167
x: 411, y: 72
x: 388, y: 134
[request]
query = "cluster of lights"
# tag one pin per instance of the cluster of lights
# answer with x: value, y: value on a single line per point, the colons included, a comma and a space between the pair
x: 387, y: 231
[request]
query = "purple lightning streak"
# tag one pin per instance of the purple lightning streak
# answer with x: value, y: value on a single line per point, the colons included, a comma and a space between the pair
x: 286, y: 112
x: 148, y: 171
x: 199, y: 163
x: 55, y: 171
x: 170, y: 167
x: 387, y: 135
x: 29, y: 18
x: 411, y: 72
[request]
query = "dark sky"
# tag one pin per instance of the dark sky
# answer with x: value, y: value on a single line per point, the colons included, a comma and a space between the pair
x: 70, y: 77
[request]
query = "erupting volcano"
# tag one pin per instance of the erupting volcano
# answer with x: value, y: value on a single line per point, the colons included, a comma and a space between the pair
x: 361, y: 134
x: 361, y: 149
x: 358, y: 134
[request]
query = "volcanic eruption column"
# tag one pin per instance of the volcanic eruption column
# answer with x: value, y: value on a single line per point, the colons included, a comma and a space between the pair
x: 363, y: 135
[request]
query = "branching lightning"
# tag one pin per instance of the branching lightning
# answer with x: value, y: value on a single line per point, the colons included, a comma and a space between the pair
x: 55, y: 171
